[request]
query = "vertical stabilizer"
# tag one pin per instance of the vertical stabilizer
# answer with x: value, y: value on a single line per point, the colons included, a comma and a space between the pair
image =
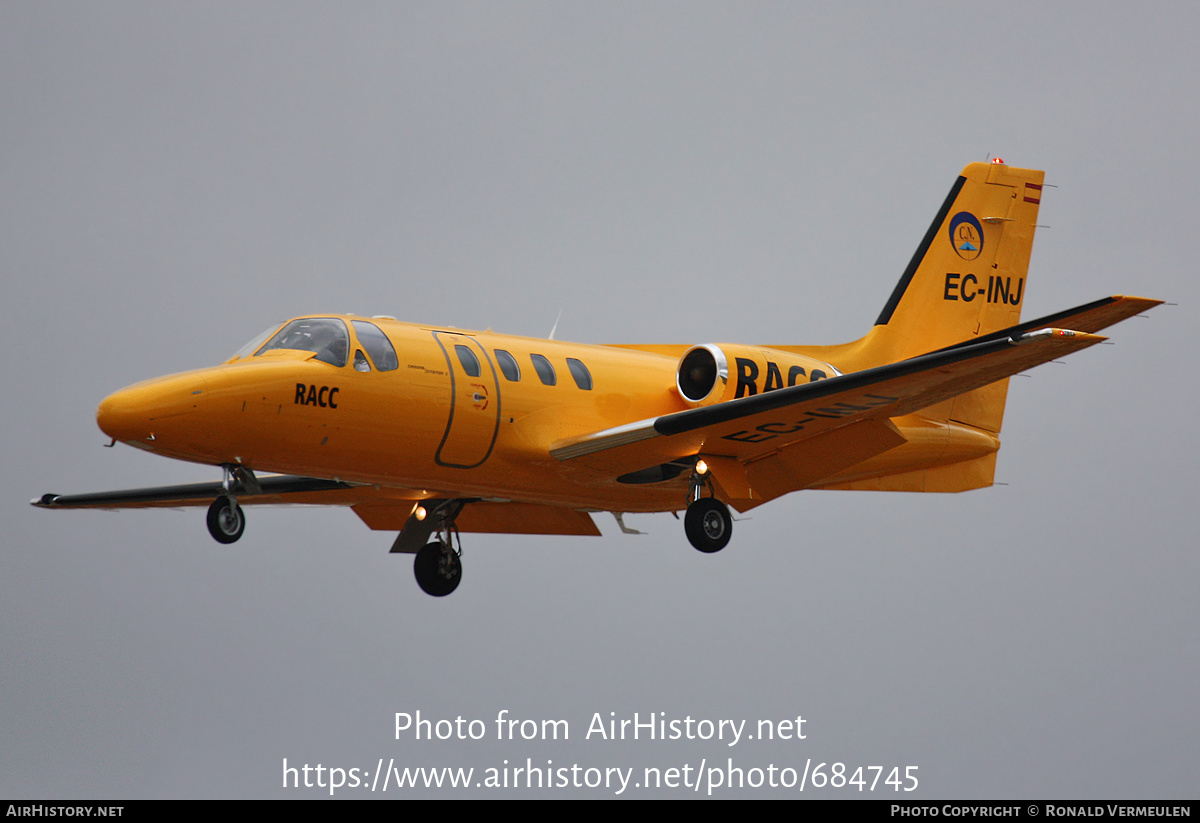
x: 969, y: 275
x: 968, y: 278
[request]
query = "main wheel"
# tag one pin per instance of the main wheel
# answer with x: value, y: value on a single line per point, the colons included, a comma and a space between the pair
x: 708, y: 524
x: 437, y: 568
x: 225, y: 520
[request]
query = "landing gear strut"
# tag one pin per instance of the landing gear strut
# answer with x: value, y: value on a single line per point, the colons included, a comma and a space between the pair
x: 707, y: 523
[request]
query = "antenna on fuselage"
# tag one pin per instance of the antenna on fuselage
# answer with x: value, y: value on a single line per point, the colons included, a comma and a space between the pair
x: 555, y: 328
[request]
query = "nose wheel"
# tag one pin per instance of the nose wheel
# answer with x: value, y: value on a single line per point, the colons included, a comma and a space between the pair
x: 226, y: 522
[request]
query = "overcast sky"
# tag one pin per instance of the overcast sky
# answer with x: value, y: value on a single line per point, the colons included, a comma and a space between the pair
x: 177, y: 177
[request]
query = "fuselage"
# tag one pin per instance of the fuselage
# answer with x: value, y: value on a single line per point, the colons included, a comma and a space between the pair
x: 438, y: 411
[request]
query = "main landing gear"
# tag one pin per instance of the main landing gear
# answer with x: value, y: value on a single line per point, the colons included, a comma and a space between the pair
x: 438, y: 569
x: 438, y: 566
x: 707, y: 523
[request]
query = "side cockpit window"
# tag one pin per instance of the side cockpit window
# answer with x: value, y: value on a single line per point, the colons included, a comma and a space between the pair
x: 325, y: 336
x: 376, y: 344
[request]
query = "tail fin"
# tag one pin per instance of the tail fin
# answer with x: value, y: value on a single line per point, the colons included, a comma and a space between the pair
x: 968, y: 277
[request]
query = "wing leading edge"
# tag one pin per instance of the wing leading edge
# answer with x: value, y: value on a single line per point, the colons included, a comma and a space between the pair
x: 283, y: 488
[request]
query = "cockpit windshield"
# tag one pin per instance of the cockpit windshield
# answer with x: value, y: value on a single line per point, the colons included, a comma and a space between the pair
x: 251, y: 347
x: 326, y: 336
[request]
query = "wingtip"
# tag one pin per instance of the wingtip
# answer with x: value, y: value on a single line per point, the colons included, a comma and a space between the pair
x: 1079, y: 336
x: 1144, y: 303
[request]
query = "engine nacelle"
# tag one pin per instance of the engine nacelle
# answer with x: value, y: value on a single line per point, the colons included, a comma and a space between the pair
x: 713, y: 373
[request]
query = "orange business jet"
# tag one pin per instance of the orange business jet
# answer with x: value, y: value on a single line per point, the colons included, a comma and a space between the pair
x: 433, y: 431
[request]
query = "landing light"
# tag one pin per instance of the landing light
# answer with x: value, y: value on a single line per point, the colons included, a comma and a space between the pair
x: 701, y: 467
x: 420, y: 512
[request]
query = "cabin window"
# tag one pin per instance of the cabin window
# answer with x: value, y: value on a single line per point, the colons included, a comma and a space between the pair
x: 326, y: 336
x: 583, y: 378
x: 508, y: 365
x: 360, y: 361
x: 470, y: 362
x: 544, y: 370
x: 376, y: 344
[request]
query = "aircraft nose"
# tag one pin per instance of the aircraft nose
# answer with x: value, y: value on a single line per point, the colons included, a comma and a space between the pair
x: 120, y: 417
x: 141, y: 414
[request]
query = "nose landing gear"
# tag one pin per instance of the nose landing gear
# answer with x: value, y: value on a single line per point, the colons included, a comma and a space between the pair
x: 226, y: 521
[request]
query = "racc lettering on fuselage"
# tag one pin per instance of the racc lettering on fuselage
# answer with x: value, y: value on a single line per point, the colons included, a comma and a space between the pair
x: 314, y: 395
x: 747, y: 376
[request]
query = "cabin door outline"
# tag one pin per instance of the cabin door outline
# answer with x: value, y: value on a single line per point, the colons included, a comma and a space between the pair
x: 473, y: 422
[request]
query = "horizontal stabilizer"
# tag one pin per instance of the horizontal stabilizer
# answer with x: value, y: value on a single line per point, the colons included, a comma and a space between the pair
x: 1090, y: 317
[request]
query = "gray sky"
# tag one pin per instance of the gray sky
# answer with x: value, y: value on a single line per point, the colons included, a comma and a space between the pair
x: 177, y: 177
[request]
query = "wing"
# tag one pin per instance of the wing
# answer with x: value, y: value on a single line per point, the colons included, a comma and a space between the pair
x: 283, y: 488
x: 757, y: 425
x: 380, y: 508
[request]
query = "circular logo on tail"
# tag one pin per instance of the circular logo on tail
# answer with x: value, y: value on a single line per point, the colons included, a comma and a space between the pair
x: 966, y: 235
